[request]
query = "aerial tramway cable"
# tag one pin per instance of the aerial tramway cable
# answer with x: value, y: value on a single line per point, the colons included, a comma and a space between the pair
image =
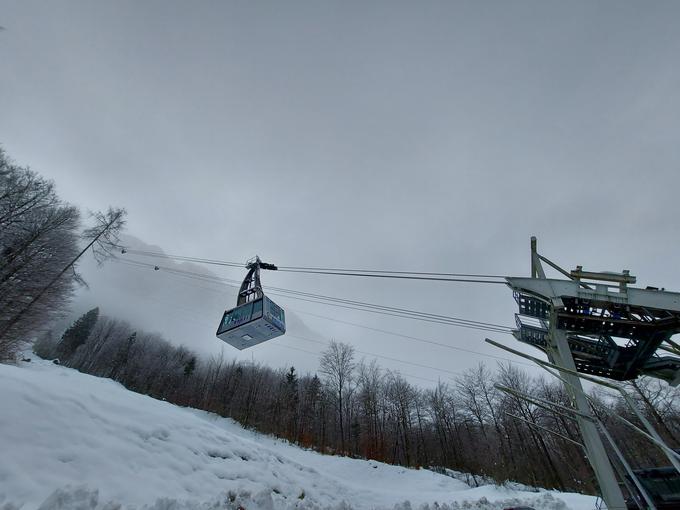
x: 197, y: 319
x: 407, y: 337
x: 402, y: 275
x: 406, y: 362
x: 330, y: 300
x: 352, y: 304
x: 214, y: 279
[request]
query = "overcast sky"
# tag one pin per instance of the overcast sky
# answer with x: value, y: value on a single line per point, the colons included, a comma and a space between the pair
x: 424, y: 136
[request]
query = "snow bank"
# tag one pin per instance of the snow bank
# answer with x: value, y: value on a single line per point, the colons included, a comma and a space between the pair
x: 77, y: 442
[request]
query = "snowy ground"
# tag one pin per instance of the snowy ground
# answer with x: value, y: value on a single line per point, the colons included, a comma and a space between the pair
x: 73, y: 441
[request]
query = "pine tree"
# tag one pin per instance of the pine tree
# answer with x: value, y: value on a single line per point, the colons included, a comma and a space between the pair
x: 77, y: 334
x: 292, y: 380
x: 291, y: 400
x: 190, y: 366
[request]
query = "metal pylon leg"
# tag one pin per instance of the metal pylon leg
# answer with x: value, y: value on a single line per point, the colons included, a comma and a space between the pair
x: 597, y: 455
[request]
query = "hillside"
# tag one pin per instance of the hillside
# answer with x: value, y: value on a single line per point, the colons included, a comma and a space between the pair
x: 73, y: 441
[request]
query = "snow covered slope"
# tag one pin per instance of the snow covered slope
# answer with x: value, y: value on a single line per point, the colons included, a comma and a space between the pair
x: 73, y: 441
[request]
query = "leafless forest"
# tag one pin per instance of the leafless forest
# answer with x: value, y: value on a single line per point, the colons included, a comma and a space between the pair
x: 353, y: 407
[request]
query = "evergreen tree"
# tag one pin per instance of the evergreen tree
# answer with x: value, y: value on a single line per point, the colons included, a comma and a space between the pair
x: 190, y: 366
x: 292, y: 381
x: 77, y: 334
x: 291, y: 400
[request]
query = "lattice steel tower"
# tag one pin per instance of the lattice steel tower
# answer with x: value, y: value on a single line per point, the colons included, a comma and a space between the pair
x: 595, y: 323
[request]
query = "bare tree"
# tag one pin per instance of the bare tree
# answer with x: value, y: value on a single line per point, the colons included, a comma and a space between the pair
x: 38, y: 237
x: 100, y: 238
x: 660, y: 401
x: 104, y: 236
x: 371, y: 386
x: 337, y: 364
x: 400, y: 396
x: 38, y: 252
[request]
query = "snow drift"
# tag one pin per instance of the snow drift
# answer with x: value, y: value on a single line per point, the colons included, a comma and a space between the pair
x: 73, y: 441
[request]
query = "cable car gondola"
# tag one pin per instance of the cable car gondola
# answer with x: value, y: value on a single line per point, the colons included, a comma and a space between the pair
x: 256, y: 318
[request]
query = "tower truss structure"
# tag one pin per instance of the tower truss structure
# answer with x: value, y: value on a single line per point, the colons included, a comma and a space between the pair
x: 595, y: 323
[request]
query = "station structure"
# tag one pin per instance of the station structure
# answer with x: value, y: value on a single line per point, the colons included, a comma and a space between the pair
x: 598, y: 324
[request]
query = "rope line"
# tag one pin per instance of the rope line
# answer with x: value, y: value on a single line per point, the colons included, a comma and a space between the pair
x: 346, y: 303
x: 214, y: 279
x: 403, y: 275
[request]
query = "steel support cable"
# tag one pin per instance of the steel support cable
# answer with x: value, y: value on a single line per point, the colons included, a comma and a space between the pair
x: 402, y: 316
x: 411, y: 316
x: 184, y: 258
x: 197, y: 319
x: 415, y: 338
x: 392, y: 333
x: 358, y: 305
x: 348, y: 307
x: 380, y: 271
x: 409, y: 275
x: 396, y: 276
x: 391, y: 308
